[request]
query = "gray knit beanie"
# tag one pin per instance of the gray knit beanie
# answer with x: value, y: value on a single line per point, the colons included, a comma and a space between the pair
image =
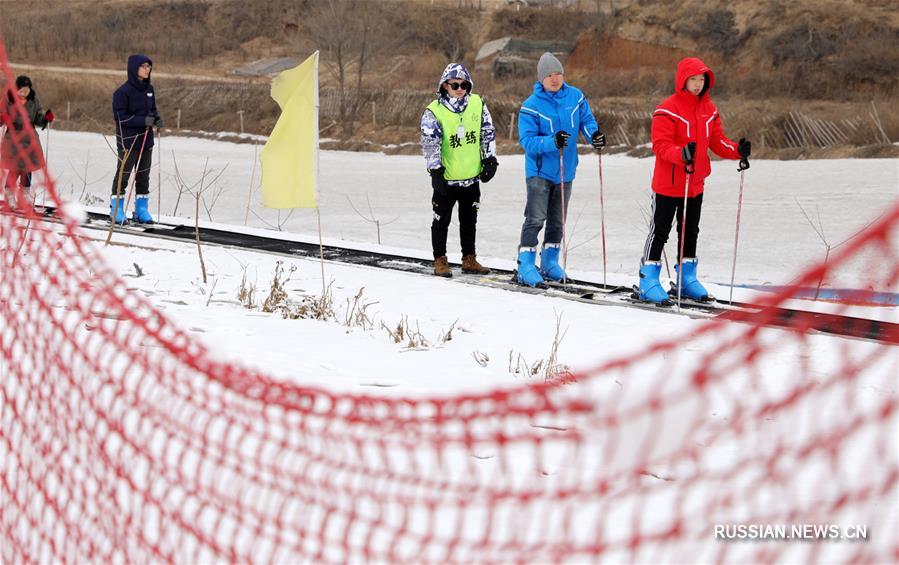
x: 548, y: 65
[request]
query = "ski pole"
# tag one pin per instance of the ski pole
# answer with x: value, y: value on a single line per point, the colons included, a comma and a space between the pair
x: 688, y: 168
x: 46, y: 163
x: 562, y: 185
x: 158, y: 173
x: 733, y: 267
x: 602, y: 216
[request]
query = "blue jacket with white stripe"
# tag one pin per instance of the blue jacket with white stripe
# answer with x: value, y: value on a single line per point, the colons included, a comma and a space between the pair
x: 541, y: 116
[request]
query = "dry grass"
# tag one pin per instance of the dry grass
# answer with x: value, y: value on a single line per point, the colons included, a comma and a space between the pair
x: 550, y: 368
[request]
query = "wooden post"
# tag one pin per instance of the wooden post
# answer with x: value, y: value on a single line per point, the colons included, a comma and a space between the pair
x: 178, y: 120
x: 240, y: 113
x: 512, y: 126
x: 374, y: 119
x: 68, y: 110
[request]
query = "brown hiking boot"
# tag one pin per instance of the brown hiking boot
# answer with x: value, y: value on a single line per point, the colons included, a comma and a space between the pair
x: 441, y: 267
x: 470, y: 265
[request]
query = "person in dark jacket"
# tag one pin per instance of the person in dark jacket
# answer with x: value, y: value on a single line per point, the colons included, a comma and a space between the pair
x: 135, y: 115
x: 20, y: 151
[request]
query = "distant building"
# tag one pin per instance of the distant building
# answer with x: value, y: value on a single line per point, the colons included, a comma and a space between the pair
x: 515, y: 57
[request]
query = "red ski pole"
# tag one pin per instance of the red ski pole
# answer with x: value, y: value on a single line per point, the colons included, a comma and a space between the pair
x: 733, y: 267
x: 602, y: 216
x: 562, y: 184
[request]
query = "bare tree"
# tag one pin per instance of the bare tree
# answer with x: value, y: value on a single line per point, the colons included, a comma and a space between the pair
x: 819, y: 230
x: 371, y: 216
x: 343, y: 29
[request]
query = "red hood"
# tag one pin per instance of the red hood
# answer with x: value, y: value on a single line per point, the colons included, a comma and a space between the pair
x: 689, y: 67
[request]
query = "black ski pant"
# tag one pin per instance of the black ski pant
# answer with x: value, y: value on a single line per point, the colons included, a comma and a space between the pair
x: 23, y: 178
x: 664, y: 210
x: 142, y: 178
x: 469, y: 199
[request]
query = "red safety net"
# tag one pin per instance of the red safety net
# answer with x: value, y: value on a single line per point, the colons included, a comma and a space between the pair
x: 123, y: 440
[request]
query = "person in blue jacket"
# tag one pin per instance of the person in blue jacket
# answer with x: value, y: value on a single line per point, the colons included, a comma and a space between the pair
x: 555, y: 113
x: 135, y: 115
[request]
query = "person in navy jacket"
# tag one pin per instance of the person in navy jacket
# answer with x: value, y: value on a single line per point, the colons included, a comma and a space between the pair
x: 554, y: 114
x: 135, y: 115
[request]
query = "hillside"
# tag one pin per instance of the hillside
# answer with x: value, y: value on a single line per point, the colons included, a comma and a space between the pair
x: 768, y: 56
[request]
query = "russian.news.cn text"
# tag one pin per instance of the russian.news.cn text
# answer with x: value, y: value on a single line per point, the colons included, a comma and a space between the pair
x: 790, y: 532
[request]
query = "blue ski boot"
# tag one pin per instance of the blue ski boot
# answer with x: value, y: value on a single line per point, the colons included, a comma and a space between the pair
x: 549, y: 263
x: 690, y: 286
x: 527, y: 271
x: 142, y: 209
x: 117, y: 214
x: 650, y: 288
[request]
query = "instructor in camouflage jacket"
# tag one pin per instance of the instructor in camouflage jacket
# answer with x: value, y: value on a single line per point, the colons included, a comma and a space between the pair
x: 458, y: 141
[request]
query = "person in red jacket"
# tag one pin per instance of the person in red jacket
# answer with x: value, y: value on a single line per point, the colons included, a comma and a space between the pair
x: 684, y: 127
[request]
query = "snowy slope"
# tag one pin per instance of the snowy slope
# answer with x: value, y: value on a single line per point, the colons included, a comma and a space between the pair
x: 497, y: 334
x: 776, y: 241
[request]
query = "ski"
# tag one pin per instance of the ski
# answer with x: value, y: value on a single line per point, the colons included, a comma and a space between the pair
x: 599, y: 294
x: 582, y: 291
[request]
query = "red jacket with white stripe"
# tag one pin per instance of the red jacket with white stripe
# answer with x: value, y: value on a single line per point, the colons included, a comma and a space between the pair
x: 682, y: 118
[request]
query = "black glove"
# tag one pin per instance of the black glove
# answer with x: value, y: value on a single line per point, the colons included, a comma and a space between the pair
x: 46, y: 119
x: 153, y: 122
x: 744, y: 148
x: 561, y: 139
x: 438, y: 183
x: 688, y: 153
x: 598, y: 140
x: 488, y: 168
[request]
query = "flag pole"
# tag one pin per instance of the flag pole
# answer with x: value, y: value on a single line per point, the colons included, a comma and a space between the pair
x: 318, y: 215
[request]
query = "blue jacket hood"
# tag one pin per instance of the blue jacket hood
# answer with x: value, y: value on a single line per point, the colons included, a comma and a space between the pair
x: 134, y: 63
x: 542, y: 92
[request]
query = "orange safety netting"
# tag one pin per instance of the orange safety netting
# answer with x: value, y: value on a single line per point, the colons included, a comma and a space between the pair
x: 123, y: 440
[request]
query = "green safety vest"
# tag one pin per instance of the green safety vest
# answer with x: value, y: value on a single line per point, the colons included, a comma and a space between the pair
x: 460, y: 150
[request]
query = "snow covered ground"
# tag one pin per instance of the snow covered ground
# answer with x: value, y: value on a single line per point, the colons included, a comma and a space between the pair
x: 776, y: 240
x: 497, y: 335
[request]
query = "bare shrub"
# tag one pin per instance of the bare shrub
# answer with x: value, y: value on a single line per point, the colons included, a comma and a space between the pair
x: 518, y: 365
x: 448, y: 334
x: 550, y: 368
x: 321, y: 308
x: 356, y: 313
x: 246, y: 293
x: 310, y: 307
x: 802, y: 42
x: 277, y: 294
x: 554, y: 370
x: 714, y: 28
x: 403, y: 332
x: 480, y: 358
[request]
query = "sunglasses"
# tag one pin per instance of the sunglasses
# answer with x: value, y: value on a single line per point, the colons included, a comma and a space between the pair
x: 458, y: 85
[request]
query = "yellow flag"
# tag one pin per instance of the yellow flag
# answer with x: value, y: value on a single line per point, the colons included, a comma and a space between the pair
x: 290, y: 157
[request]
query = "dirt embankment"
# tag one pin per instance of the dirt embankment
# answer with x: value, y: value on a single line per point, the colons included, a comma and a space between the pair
x: 802, y: 79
